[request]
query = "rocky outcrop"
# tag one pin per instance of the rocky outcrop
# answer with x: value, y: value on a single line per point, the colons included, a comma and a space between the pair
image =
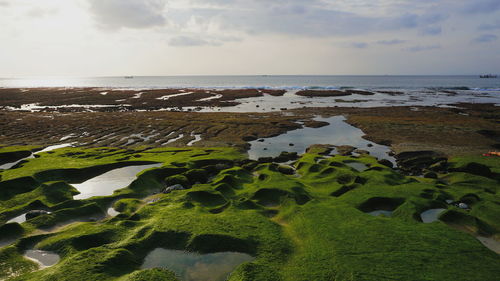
x: 415, y: 162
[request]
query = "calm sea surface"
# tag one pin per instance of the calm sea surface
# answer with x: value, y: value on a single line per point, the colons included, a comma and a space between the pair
x: 285, y: 82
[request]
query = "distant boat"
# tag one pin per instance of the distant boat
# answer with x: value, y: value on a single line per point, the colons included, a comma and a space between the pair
x: 129, y: 77
x: 488, y: 76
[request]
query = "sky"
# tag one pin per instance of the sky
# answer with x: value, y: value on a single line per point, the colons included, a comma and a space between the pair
x: 248, y: 37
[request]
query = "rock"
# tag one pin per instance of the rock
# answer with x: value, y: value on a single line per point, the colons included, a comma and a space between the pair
x: 172, y: 188
x: 286, y: 170
x: 477, y: 169
x: 291, y: 144
x: 265, y: 160
x: 430, y: 175
x: 345, y: 150
x: 463, y: 205
x: 249, y: 138
x: 286, y: 156
x: 369, y: 145
x: 315, y: 124
x: 361, y: 151
x: 385, y: 162
x: 322, y: 149
x: 414, y: 162
x: 261, y: 140
x: 250, y: 165
x: 384, y: 142
x: 35, y: 213
x: 439, y: 167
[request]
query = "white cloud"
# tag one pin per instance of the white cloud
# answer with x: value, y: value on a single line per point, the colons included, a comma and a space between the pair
x: 115, y: 14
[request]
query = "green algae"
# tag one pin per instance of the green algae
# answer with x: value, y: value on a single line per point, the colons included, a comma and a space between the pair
x: 311, y: 224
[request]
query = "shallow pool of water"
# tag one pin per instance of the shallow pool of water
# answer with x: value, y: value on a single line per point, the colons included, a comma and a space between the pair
x: 337, y: 133
x: 377, y: 213
x: 197, y: 138
x: 7, y: 166
x: 44, y: 258
x: 490, y: 243
x: 108, y: 182
x: 358, y: 166
x: 431, y: 215
x: 196, y: 267
x: 19, y: 219
x: 112, y: 212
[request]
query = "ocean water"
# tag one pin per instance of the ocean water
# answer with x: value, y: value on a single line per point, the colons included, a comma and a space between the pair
x: 264, y: 81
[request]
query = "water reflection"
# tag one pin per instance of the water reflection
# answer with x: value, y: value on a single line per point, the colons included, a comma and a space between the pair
x: 196, y: 267
x: 108, y: 182
x: 337, y: 133
x: 358, y: 166
x: 44, y: 258
x: 49, y: 148
x: 19, y: 219
x: 431, y: 215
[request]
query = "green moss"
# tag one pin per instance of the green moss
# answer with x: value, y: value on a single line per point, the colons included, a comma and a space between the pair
x: 13, y: 264
x: 128, y: 205
x: 177, y: 179
x: 154, y: 274
x: 307, y: 226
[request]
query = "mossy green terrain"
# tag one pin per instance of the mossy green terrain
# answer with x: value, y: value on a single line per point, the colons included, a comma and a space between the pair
x: 304, y: 221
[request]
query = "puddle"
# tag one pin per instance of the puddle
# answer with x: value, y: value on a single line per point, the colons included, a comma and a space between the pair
x: 431, y: 215
x: 490, y: 243
x: 174, y: 95
x: 18, y: 219
x: 44, y: 258
x: 337, y: 133
x: 358, y: 166
x: 52, y: 147
x: 197, y: 138
x: 49, y: 148
x: 218, y: 96
x: 108, y: 182
x: 196, y: 267
x: 377, y: 213
x: 112, y: 212
x: 7, y: 242
x: 174, y: 139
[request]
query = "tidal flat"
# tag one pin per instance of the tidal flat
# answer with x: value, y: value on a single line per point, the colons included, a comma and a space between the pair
x: 396, y: 193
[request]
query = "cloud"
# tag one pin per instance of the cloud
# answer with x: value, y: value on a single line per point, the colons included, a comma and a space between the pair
x: 485, y: 38
x: 196, y: 41
x: 314, y: 18
x: 188, y: 41
x: 431, y: 30
x: 38, y: 12
x: 116, y: 14
x: 416, y: 49
x: 481, y: 7
x: 487, y: 27
x: 391, y: 42
x: 359, y: 45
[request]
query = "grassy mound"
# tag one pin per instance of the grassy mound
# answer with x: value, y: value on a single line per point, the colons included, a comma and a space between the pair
x: 305, y: 222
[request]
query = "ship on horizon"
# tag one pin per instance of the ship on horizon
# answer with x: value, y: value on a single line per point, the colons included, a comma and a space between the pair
x: 488, y: 76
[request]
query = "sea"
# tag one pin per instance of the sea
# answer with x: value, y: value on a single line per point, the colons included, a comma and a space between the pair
x: 289, y: 82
